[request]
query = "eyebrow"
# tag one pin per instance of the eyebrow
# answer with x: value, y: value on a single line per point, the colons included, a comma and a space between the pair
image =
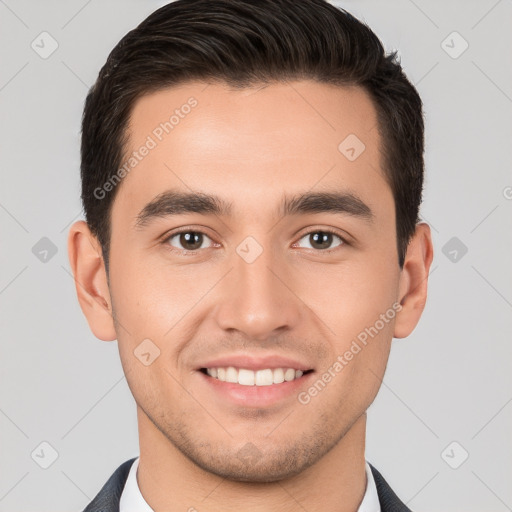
x: 173, y: 202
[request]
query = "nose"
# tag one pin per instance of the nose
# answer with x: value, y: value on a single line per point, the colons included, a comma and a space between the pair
x: 258, y: 298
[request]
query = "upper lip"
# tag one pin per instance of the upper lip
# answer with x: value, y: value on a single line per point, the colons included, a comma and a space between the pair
x: 251, y: 362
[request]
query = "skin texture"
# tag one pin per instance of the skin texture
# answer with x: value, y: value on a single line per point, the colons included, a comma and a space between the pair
x: 250, y: 147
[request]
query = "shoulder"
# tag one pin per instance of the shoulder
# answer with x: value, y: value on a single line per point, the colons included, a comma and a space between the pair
x: 389, y: 501
x: 107, y: 499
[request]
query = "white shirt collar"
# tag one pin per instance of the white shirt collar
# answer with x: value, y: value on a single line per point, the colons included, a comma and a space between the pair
x: 132, y: 500
x: 131, y: 497
x: 370, y: 501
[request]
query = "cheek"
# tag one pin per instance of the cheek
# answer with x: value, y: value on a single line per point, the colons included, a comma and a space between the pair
x: 154, y: 308
x: 359, y: 363
x: 151, y: 297
x: 149, y: 385
x: 351, y: 296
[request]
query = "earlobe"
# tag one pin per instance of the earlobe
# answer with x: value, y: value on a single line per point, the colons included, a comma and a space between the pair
x: 414, y: 280
x: 91, y: 283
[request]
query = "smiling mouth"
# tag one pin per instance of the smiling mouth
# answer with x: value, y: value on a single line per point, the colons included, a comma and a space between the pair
x: 246, y: 377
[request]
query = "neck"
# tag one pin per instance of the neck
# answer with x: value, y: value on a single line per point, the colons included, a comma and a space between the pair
x: 170, y: 481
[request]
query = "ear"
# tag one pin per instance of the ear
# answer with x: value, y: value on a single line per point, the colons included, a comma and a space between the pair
x: 413, y: 281
x: 87, y: 265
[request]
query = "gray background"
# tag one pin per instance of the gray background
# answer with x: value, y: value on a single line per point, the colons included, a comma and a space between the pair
x: 450, y: 381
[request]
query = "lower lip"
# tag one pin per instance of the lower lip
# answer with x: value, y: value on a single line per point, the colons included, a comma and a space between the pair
x: 256, y: 396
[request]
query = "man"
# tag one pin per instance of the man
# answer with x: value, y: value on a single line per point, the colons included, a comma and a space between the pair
x: 252, y: 173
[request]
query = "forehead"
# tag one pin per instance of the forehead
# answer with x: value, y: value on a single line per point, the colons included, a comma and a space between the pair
x: 257, y: 142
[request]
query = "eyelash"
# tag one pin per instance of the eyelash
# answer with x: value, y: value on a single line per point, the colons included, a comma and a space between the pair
x: 195, y: 251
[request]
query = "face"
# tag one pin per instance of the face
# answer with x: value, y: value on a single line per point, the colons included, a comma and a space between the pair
x: 286, y: 260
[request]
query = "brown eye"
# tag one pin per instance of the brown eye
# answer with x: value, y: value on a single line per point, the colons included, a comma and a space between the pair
x: 322, y: 240
x: 188, y: 240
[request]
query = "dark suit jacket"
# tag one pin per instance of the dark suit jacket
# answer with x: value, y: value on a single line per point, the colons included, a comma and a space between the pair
x: 107, y: 500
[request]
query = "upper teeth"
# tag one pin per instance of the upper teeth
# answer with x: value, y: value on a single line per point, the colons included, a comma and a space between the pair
x: 246, y: 377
